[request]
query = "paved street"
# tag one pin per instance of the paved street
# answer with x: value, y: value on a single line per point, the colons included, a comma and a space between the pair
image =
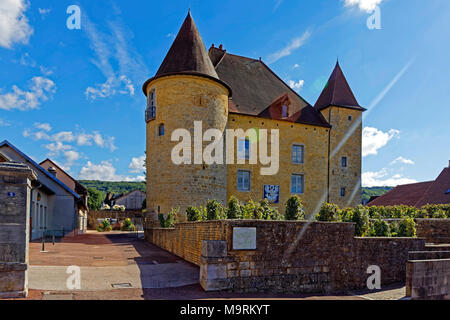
x: 121, y: 266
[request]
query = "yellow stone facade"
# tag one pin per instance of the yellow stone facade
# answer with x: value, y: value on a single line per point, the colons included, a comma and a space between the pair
x: 183, y: 99
x: 345, y: 141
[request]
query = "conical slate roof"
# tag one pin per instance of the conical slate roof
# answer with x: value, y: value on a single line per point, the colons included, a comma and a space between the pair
x: 337, y: 92
x: 187, y: 55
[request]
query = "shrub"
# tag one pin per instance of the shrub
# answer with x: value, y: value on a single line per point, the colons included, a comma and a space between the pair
x: 269, y: 213
x: 117, y: 207
x: 234, y: 209
x: 379, y: 228
x: 214, y: 210
x: 360, y: 216
x: 422, y: 213
x: 328, y: 212
x: 105, y: 207
x: 171, y: 220
x: 194, y: 214
x: 252, y: 211
x: 439, y: 214
x: 294, y: 209
x: 128, y: 225
x: 105, y: 223
x: 406, y: 228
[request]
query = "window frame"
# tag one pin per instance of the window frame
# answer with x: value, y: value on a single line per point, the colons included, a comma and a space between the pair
x: 284, y: 108
x: 247, y: 152
x: 163, y: 127
x: 249, y: 180
x: 302, y: 146
x: 344, y: 165
x: 302, y: 183
x: 343, y: 192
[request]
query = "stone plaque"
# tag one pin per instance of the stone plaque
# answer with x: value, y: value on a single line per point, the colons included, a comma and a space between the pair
x: 244, y: 238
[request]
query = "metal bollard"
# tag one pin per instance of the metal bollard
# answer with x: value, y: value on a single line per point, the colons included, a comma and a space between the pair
x: 53, y: 237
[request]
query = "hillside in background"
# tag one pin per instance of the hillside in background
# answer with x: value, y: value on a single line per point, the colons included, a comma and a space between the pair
x: 124, y: 187
x: 114, y: 187
x: 375, y: 191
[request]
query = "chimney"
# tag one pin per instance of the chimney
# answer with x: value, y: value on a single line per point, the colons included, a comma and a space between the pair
x: 221, y: 47
x: 449, y: 163
x: 52, y: 171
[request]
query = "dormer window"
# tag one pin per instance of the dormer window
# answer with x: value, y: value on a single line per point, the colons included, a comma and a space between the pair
x: 284, y: 111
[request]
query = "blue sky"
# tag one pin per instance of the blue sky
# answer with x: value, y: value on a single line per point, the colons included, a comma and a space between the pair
x: 75, y: 95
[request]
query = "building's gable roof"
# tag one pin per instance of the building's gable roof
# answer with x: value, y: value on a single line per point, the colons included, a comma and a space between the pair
x: 437, y: 193
x: 407, y: 194
x: 418, y: 194
x: 187, y: 55
x: 128, y: 194
x: 77, y: 184
x: 337, y: 92
x: 256, y: 87
x: 38, y: 167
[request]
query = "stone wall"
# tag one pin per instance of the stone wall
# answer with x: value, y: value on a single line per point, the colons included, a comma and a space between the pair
x: 15, y: 195
x: 428, y: 279
x: 434, y: 230
x: 185, y: 240
x: 289, y: 256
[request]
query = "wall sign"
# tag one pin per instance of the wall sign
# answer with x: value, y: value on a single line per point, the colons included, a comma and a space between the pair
x: 11, y: 194
x: 244, y: 238
x: 272, y: 193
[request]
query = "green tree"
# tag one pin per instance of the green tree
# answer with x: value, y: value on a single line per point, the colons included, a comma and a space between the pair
x: 95, y: 199
x: 214, y: 210
x: 294, y: 209
x: 234, y: 209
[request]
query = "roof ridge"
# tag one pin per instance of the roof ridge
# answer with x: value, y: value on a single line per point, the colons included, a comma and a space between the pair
x: 27, y: 158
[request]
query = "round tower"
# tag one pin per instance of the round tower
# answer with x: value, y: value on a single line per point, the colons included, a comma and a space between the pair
x: 185, y: 89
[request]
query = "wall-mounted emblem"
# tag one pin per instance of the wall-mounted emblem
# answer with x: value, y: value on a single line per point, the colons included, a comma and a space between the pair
x: 11, y: 194
x: 272, y: 193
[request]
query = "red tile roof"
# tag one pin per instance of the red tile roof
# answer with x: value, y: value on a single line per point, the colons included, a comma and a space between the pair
x: 337, y: 92
x: 418, y: 194
x: 187, y: 55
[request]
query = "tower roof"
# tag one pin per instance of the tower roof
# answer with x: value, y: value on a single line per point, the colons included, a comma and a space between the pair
x: 187, y: 55
x: 337, y: 92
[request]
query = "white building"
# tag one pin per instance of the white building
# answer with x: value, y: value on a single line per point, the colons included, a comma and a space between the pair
x: 55, y: 208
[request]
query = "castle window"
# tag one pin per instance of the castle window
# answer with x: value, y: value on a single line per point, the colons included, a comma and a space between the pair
x: 161, y: 130
x: 298, y: 154
x: 342, y: 192
x: 150, y: 113
x: 297, y: 184
x: 284, y: 111
x: 350, y: 118
x: 344, y: 162
x: 244, y: 148
x: 243, y: 180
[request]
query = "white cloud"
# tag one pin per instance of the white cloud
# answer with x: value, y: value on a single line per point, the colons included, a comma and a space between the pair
x: 118, y: 61
x: 40, y: 89
x: 297, y: 86
x: 137, y: 164
x: 81, y: 139
x: 14, y: 27
x: 374, y: 139
x: 4, y: 123
x: 111, y: 87
x: 277, y: 4
x: 295, y: 66
x: 292, y: 46
x: 104, y: 171
x: 363, y: 5
x: 43, y: 126
x: 71, y: 156
x: 381, y: 178
x: 55, y: 148
x: 402, y: 160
